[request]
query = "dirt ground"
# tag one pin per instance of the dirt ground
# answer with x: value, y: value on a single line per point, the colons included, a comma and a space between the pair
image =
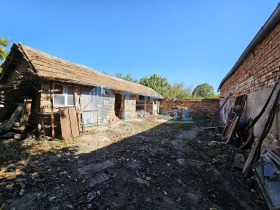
x: 135, y: 165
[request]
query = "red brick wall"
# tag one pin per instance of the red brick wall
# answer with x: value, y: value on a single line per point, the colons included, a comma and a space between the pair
x: 258, y: 68
x: 205, y: 106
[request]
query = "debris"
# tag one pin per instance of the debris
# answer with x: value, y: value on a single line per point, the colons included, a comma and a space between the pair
x: 233, y: 118
x: 181, y: 161
x: 22, y: 185
x: 51, y: 198
x: 263, y: 126
x: 91, y: 196
x: 102, y: 177
x: 11, y: 167
x: 141, y: 181
x: 8, y: 135
x: 135, y: 173
x: 209, y: 128
x: 95, y: 167
x: 267, y: 174
x: 239, y: 161
x: 69, y: 206
x: 140, y: 114
x: 21, y: 192
x: 9, y: 186
x: 215, y: 143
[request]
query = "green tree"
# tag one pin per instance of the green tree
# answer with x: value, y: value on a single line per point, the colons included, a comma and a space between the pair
x: 3, y: 44
x: 127, y: 77
x: 159, y: 84
x: 179, y: 91
x: 3, y: 52
x: 203, y: 91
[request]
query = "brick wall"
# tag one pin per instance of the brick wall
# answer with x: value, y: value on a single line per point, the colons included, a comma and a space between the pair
x: 255, y: 77
x: 205, y: 106
x: 258, y: 69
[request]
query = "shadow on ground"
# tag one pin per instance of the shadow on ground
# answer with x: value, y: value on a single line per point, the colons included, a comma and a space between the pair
x: 145, y: 165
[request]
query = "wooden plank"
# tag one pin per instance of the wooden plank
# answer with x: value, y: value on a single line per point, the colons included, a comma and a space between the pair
x: 73, y: 122
x: 52, y: 115
x: 231, y: 130
x: 65, y: 123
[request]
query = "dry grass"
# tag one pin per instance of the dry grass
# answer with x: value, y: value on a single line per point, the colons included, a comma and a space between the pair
x: 20, y: 153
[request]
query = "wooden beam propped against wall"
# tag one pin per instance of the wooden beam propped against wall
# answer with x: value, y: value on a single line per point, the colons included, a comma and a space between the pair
x: 262, y: 127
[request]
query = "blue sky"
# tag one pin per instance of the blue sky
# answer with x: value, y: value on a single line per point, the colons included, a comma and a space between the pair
x: 186, y: 41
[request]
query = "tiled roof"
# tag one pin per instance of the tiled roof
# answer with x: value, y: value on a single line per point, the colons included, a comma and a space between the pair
x: 51, y: 67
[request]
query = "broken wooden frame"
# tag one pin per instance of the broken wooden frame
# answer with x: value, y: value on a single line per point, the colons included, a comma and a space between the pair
x: 233, y: 118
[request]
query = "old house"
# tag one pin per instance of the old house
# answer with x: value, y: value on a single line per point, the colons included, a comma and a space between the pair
x: 49, y: 83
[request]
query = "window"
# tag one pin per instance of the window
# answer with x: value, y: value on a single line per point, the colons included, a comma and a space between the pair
x: 63, y: 95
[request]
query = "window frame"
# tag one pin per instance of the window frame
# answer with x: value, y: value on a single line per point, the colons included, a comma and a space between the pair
x: 65, y: 94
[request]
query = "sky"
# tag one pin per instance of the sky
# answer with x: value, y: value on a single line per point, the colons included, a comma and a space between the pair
x: 188, y: 41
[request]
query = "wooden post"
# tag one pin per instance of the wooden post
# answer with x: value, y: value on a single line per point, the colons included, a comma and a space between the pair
x: 52, y: 114
x: 145, y: 106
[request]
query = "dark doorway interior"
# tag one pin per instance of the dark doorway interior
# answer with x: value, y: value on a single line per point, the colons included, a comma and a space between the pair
x: 118, y: 105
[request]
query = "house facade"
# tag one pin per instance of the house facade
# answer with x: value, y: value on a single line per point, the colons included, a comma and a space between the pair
x: 52, y: 83
x: 255, y: 74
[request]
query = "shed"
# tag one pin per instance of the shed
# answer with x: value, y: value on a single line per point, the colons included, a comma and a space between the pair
x: 50, y: 83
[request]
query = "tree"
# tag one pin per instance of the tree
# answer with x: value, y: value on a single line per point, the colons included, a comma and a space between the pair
x: 3, y: 52
x: 203, y: 91
x: 159, y: 84
x: 127, y: 77
x: 179, y: 91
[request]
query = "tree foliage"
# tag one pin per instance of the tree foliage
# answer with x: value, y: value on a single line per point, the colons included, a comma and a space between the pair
x: 127, y: 77
x: 3, y: 52
x: 3, y: 44
x: 159, y: 84
x: 179, y: 91
x: 204, y: 91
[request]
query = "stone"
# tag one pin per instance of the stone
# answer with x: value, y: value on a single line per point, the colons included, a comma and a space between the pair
x: 21, y: 192
x: 95, y: 167
x: 11, y: 167
x: 141, y: 181
x: 239, y: 161
x: 181, y: 161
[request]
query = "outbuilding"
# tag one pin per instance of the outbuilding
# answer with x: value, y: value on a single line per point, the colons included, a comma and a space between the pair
x: 54, y: 87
